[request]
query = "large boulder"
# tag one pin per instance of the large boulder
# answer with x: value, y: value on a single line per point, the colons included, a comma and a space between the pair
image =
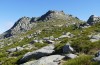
x: 67, y: 48
x: 47, y: 50
x: 49, y: 60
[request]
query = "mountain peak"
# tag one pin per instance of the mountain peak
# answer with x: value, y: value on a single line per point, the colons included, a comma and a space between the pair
x: 53, y: 14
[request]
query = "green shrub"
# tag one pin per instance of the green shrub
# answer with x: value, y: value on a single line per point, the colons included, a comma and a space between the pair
x: 10, y: 61
x: 39, y: 45
x: 82, y: 45
x: 19, y: 53
x: 3, y: 54
x: 58, y: 47
x: 81, y: 60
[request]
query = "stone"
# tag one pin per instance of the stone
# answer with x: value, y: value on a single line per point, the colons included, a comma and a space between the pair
x: 46, y: 38
x: 12, y: 50
x: 95, y: 38
x: 47, y: 50
x: 97, y: 54
x: 67, y: 48
x: 50, y: 41
x: 97, y: 57
x: 67, y: 35
x: 48, y: 60
x: 15, y: 49
x: 36, y: 41
x: 70, y: 56
x: 28, y: 46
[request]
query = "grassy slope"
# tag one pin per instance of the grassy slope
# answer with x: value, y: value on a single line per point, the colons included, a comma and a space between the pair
x: 80, y: 42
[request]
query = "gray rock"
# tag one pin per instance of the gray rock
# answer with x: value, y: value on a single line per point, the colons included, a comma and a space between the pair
x: 12, y: 50
x: 95, y: 38
x: 46, y: 38
x: 71, y: 56
x: 50, y: 41
x: 36, y: 41
x: 15, y: 49
x: 67, y: 35
x: 67, y: 48
x: 97, y: 54
x: 47, y: 50
x: 48, y: 60
x: 97, y: 59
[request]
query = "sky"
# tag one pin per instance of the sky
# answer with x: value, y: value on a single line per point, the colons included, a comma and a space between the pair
x: 12, y: 10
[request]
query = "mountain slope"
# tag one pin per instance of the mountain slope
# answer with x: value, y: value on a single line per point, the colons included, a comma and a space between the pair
x: 26, y: 23
x: 59, y: 37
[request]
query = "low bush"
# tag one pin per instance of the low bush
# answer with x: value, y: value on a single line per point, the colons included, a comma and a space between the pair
x: 81, y: 60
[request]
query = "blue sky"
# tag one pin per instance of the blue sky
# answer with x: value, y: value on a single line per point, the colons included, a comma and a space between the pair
x: 12, y: 10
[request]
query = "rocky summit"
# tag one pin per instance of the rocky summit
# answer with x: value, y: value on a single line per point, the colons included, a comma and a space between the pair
x: 55, y: 38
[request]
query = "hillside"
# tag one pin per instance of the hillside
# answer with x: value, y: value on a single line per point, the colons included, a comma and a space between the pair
x: 55, y: 38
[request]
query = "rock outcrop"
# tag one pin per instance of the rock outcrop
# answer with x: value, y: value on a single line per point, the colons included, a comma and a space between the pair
x: 93, y: 19
x: 47, y: 50
x: 53, y: 15
x: 48, y: 60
